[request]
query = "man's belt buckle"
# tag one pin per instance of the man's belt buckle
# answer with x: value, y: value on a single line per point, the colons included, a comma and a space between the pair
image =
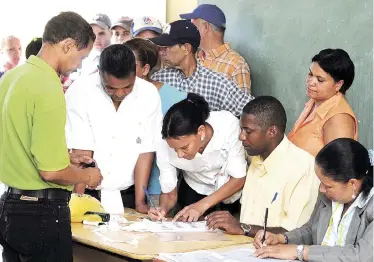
x: 28, y: 198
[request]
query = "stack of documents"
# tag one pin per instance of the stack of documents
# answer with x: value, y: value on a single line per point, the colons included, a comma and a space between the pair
x: 234, y: 255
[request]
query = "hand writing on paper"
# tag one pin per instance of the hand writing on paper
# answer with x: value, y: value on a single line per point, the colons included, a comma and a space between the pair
x: 190, y: 213
x: 157, y: 214
x: 280, y: 251
x: 225, y: 221
x: 270, y: 239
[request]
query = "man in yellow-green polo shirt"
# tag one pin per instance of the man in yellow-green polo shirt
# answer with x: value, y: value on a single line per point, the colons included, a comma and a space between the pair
x: 34, y: 159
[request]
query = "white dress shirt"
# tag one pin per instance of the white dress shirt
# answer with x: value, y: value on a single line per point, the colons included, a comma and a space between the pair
x: 223, y: 157
x: 117, y: 138
x: 90, y: 63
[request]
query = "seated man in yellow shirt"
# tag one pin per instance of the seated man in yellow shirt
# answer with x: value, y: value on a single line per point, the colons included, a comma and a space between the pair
x: 281, y: 176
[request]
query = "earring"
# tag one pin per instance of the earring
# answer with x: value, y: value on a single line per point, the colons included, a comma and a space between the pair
x: 353, y: 194
x: 202, y: 138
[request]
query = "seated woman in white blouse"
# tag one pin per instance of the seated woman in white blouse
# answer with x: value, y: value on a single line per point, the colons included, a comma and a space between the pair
x: 205, y: 146
x: 341, y: 226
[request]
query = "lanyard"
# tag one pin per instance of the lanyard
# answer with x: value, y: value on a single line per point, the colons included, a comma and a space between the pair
x: 340, y: 229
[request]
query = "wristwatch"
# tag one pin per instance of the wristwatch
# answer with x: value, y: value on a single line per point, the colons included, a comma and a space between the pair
x: 300, y: 253
x: 246, y: 228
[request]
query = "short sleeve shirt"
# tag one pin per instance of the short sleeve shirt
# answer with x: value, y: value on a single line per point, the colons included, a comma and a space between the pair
x: 32, y: 126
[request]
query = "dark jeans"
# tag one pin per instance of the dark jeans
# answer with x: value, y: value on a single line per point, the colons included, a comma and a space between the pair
x: 35, y: 230
x: 188, y: 196
x: 128, y: 196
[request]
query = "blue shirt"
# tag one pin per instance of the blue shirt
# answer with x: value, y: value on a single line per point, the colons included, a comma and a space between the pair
x: 169, y: 96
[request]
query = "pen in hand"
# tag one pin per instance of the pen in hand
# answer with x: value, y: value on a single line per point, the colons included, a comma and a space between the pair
x: 265, y: 225
x: 152, y: 204
x: 266, y: 218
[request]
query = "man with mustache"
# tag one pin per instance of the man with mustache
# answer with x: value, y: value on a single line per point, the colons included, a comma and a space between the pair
x: 115, y: 117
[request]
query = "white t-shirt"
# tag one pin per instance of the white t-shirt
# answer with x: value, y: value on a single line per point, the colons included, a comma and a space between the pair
x: 224, y: 151
x: 117, y: 138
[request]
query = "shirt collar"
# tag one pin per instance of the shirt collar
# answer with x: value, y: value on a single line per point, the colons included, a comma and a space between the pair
x: 216, y: 52
x: 195, y: 74
x: 37, y: 61
x: 325, y: 107
x: 271, y: 163
x: 360, y: 202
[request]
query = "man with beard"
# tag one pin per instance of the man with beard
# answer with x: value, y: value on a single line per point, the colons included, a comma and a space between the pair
x: 115, y: 117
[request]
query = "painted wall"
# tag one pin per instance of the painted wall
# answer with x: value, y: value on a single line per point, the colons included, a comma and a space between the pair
x: 176, y: 7
x: 279, y: 38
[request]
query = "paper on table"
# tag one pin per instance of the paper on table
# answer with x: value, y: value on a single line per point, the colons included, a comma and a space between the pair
x: 111, y: 201
x: 244, y: 254
x: 235, y: 255
x: 191, y: 236
x: 116, y: 236
x: 198, y: 256
x: 146, y: 225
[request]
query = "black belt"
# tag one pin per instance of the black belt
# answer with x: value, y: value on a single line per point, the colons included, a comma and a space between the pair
x: 35, y: 195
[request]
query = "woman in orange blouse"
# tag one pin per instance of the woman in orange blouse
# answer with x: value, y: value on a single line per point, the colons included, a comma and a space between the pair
x: 327, y: 115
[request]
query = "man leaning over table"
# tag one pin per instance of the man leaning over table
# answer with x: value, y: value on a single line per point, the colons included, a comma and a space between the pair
x: 115, y: 117
x: 281, y: 176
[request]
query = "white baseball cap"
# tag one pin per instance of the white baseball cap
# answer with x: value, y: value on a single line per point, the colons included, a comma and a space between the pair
x: 145, y: 23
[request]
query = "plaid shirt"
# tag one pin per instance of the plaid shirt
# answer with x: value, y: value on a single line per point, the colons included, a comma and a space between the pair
x: 218, y: 91
x: 225, y: 60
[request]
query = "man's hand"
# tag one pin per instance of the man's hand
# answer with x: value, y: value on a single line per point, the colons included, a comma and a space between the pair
x: 95, y: 177
x: 224, y: 220
x: 79, y: 159
x: 191, y: 213
x: 142, y: 208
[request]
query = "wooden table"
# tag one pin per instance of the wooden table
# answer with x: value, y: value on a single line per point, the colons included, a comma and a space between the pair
x: 149, y: 246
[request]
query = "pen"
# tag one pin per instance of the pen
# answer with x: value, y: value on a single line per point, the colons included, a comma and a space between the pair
x: 265, y: 224
x: 266, y: 217
x: 148, y: 197
x: 150, y: 201
x: 274, y: 198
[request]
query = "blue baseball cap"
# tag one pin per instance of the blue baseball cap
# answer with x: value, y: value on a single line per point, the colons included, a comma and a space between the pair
x: 210, y: 13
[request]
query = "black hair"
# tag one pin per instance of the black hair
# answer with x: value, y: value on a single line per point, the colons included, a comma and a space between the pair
x: 185, y: 118
x: 69, y: 25
x: 117, y: 60
x: 268, y: 111
x: 145, y: 51
x: 338, y: 64
x: 33, y: 47
x: 343, y: 159
x: 194, y: 49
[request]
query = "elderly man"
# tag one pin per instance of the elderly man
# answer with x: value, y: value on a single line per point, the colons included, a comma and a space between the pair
x: 215, y: 54
x: 178, y: 46
x: 10, y: 51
